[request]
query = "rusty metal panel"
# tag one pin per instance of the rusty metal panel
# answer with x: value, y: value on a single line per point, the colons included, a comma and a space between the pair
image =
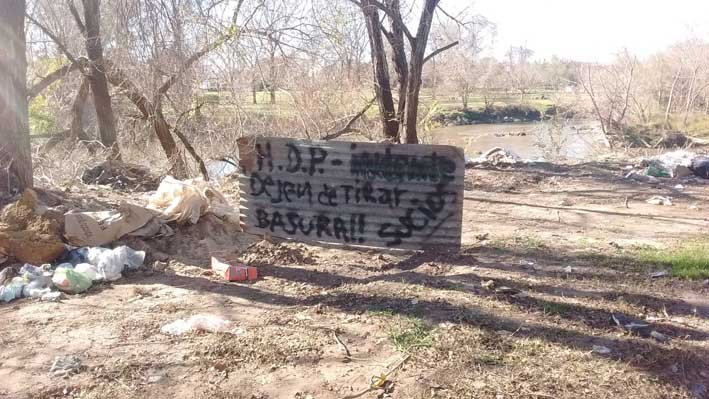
x: 362, y: 194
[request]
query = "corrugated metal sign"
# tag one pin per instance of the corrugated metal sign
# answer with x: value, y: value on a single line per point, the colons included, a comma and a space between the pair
x: 368, y: 194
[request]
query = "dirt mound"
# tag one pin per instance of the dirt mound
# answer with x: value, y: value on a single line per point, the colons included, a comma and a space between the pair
x: 265, y: 253
x: 121, y: 176
x: 27, y: 235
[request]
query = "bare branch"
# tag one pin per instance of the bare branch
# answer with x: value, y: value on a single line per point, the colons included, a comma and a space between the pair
x: 54, y: 38
x: 77, y: 18
x: 233, y: 31
x: 46, y: 81
x: 439, y: 50
x: 391, y: 14
x: 348, y: 127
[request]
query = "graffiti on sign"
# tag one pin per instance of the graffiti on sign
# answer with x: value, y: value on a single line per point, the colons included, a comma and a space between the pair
x: 381, y: 195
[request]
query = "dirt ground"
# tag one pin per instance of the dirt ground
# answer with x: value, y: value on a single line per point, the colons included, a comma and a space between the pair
x: 523, y: 310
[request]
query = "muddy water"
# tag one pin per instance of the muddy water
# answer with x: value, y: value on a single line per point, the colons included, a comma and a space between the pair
x: 571, y: 140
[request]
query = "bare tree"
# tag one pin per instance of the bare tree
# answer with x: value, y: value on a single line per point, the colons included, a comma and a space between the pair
x: 409, y: 74
x: 90, y: 27
x: 15, y: 155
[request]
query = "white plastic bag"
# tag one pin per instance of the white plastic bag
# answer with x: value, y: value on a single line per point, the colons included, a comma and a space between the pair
x: 111, y: 262
x: 200, y: 322
x: 87, y: 270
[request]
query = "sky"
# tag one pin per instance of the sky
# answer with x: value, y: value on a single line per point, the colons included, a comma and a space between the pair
x: 590, y: 30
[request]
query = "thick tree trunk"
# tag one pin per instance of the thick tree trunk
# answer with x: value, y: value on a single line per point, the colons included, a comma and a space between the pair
x: 97, y: 76
x: 77, y: 113
x: 418, y: 53
x: 382, y: 84
x: 15, y: 157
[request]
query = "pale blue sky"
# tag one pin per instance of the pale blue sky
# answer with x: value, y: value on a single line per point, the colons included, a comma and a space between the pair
x: 591, y: 30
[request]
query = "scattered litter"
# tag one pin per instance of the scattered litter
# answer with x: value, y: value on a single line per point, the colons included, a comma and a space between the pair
x: 495, y: 156
x: 11, y: 291
x: 506, y: 290
x: 51, y: 296
x: 601, y: 350
x: 4, y: 274
x: 88, y: 229
x: 155, y: 375
x: 120, y: 175
x: 219, y: 169
x: 186, y: 201
x: 488, y: 285
x: 234, y: 272
x: 201, y: 322
x: 678, y: 187
x: 70, y: 281
x: 64, y: 366
x: 700, y: 167
x: 28, y: 235
x: 87, y: 270
x: 111, y: 262
x: 659, y: 336
x: 659, y: 200
x: 568, y: 269
x: 633, y: 175
x: 630, y: 324
x: 661, y: 273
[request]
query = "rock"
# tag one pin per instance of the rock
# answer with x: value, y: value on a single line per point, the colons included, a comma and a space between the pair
x: 28, y: 236
x: 65, y: 366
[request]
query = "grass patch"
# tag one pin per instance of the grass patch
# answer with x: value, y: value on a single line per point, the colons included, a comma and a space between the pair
x: 689, y: 261
x: 413, y: 334
x: 528, y: 242
x: 555, y: 308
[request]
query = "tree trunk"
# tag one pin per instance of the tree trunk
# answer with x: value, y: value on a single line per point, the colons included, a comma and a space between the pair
x: 77, y: 114
x: 669, y: 100
x: 400, y: 63
x: 253, y: 93
x: 382, y: 84
x: 97, y: 76
x: 416, y: 68
x: 15, y: 156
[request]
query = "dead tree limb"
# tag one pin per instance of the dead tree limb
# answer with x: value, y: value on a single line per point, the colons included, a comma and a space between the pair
x: 46, y: 81
x: 348, y: 126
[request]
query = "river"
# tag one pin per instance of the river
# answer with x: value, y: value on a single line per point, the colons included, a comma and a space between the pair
x: 575, y: 140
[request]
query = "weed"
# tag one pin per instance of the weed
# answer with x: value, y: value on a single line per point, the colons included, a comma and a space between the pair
x: 416, y: 334
x: 688, y: 261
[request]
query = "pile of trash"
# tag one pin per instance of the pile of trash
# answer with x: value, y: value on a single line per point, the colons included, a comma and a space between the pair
x: 676, y: 164
x: 495, y: 156
x: 74, y: 272
x: 69, y: 246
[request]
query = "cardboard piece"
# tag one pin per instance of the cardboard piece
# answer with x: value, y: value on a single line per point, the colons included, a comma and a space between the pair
x: 234, y: 272
x: 90, y: 229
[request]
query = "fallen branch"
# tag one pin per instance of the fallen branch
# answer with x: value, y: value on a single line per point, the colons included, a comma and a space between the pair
x: 348, y: 127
